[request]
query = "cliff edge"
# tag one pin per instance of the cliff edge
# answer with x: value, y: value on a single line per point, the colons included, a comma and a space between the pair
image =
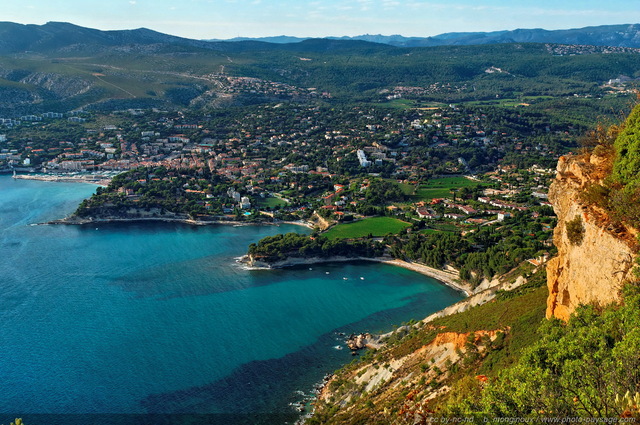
x: 594, y: 256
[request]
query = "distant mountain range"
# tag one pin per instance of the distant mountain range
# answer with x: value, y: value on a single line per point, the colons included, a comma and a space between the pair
x: 54, y: 36
x: 606, y: 35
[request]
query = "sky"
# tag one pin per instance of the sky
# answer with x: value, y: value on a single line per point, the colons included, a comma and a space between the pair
x: 222, y: 19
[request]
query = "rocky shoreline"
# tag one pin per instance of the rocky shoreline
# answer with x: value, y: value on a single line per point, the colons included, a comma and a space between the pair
x: 78, y: 221
x: 100, y: 180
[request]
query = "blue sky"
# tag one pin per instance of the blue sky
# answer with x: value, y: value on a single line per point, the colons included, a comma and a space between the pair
x: 204, y: 19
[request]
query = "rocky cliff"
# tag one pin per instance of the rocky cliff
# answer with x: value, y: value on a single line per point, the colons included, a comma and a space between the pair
x: 594, y: 257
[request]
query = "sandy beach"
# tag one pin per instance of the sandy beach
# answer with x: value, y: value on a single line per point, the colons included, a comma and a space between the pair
x: 449, y: 278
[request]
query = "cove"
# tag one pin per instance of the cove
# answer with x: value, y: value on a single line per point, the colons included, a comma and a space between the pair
x: 143, y: 318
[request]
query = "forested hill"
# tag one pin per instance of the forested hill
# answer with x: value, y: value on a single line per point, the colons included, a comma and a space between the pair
x: 605, y: 35
x: 60, y: 67
x: 15, y: 38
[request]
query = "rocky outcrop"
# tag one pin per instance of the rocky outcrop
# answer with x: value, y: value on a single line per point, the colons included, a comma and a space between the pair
x: 594, y: 258
x: 430, y: 362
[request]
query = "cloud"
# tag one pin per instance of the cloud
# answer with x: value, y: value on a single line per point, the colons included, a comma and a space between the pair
x: 390, y: 4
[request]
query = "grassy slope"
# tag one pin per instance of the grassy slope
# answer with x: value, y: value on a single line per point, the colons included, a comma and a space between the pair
x: 521, y: 312
x: 441, y: 188
x: 377, y: 226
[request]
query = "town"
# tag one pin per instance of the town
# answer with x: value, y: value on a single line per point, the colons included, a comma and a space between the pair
x: 305, y: 156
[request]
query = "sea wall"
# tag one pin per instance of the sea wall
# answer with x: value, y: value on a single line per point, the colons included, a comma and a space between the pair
x: 594, y: 258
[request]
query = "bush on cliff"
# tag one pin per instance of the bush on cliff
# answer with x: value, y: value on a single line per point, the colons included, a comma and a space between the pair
x: 619, y: 192
x: 575, y: 230
x: 626, y: 168
x: 579, y: 369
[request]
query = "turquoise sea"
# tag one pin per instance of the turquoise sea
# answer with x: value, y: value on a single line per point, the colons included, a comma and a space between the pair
x: 156, y: 318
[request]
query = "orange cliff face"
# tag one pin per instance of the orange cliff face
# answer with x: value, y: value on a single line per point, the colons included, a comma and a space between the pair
x: 593, y: 260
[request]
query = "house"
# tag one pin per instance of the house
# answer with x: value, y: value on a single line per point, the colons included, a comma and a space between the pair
x: 424, y: 212
x: 245, y: 203
x: 454, y: 216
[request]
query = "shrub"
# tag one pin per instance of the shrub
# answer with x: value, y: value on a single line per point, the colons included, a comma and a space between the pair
x: 626, y: 168
x: 596, y: 194
x: 625, y: 204
x: 575, y: 230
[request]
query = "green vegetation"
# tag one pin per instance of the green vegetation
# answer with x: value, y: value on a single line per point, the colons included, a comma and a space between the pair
x: 176, y: 74
x: 618, y: 148
x: 579, y: 369
x: 516, y: 316
x: 374, y: 226
x: 242, y: 137
x: 156, y: 192
x: 271, y: 203
x: 626, y: 168
x: 442, y: 187
x: 480, y: 254
x: 575, y: 230
x: 280, y: 247
x: 533, y: 369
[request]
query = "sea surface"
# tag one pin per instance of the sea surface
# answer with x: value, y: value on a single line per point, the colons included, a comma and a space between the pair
x: 157, y: 318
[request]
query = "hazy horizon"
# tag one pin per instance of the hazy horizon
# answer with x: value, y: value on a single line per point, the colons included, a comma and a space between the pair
x: 226, y: 19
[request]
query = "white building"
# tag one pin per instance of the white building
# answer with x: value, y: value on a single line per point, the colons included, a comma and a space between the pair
x: 362, y: 158
x: 245, y: 203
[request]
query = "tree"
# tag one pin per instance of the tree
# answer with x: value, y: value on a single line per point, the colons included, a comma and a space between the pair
x: 578, y: 369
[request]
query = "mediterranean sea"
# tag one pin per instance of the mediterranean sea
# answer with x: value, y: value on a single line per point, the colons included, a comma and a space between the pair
x: 157, y: 318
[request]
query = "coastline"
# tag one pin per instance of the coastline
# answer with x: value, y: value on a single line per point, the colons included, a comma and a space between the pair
x: 100, y: 180
x: 448, y: 278
x: 77, y: 221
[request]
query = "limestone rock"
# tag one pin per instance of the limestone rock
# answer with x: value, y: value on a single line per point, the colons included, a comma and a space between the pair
x: 593, y: 269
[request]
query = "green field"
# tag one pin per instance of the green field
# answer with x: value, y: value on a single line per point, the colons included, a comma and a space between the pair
x: 411, y: 104
x: 376, y: 226
x: 441, y: 188
x: 406, y: 188
x: 510, y: 102
x: 271, y: 202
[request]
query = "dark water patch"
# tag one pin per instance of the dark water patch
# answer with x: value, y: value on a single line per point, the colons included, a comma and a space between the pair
x: 150, y: 419
x: 275, y: 385
x: 258, y: 386
x: 11, y: 244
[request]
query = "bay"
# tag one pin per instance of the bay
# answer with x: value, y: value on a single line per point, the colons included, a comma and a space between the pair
x: 141, y: 318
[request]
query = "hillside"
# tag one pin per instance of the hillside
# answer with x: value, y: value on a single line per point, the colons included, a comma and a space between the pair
x: 60, y: 67
x: 503, y: 359
x: 605, y: 35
